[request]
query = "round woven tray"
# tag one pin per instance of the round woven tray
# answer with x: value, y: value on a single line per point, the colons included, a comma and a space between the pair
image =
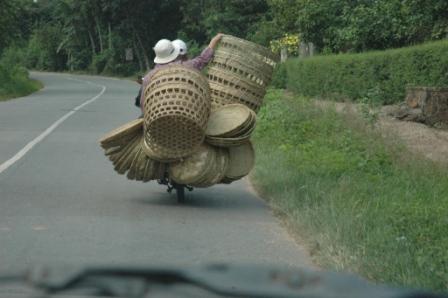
x: 228, y: 119
x: 241, y: 161
x: 193, y: 168
x: 245, y: 130
x: 217, y: 171
x: 122, y: 134
x: 177, y: 107
x: 227, y: 142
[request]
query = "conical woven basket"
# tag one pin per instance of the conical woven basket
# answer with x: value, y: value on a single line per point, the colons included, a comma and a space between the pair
x: 240, y: 72
x: 177, y: 107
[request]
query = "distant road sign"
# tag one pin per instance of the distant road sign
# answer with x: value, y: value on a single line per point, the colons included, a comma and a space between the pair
x: 129, y: 54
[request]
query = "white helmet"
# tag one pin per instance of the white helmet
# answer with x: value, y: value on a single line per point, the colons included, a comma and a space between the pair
x: 181, y: 45
x: 165, y: 51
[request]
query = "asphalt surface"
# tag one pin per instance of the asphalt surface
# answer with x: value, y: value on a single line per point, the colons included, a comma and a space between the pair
x: 62, y: 203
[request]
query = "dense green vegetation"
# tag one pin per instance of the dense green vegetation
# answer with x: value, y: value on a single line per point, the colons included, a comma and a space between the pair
x: 380, y: 76
x: 14, y: 79
x: 94, y: 35
x: 355, y: 197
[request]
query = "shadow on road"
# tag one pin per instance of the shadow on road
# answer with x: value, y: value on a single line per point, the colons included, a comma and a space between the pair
x: 219, y: 197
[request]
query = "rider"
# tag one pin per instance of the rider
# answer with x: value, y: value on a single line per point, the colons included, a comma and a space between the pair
x: 170, y: 52
x: 183, y: 50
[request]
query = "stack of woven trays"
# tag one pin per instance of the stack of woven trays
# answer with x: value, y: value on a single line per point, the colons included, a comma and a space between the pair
x: 240, y: 72
x: 181, y: 135
x: 204, y: 168
x: 227, y: 154
x: 230, y: 125
x: 124, y: 147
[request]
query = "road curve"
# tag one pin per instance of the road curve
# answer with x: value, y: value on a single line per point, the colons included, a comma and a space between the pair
x: 62, y: 203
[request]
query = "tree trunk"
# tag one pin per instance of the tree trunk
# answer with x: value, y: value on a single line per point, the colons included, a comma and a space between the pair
x: 92, y: 43
x: 137, y: 53
x: 145, y: 56
x: 110, y: 36
x: 100, y: 37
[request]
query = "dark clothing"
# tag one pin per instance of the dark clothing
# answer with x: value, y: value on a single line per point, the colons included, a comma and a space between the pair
x: 137, y: 99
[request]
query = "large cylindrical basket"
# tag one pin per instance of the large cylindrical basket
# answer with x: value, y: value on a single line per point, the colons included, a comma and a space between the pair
x: 176, y: 110
x: 240, y: 72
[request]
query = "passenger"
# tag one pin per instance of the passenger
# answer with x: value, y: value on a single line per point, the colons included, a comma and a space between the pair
x: 183, y: 50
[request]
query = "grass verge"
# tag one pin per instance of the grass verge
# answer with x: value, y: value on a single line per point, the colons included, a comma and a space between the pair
x: 16, y: 83
x: 361, y: 202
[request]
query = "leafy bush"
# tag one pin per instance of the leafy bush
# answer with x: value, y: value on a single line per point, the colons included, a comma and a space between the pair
x: 279, y: 76
x: 359, y: 205
x: 353, y: 76
x: 100, y: 61
x: 43, y: 51
x: 14, y: 80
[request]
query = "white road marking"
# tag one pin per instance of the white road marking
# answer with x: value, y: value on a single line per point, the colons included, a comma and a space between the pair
x: 39, y: 228
x: 4, y: 166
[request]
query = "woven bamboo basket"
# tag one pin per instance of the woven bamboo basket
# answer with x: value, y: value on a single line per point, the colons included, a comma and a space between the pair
x: 177, y: 107
x: 240, y: 72
x: 244, y: 66
x: 233, y: 43
x: 227, y: 89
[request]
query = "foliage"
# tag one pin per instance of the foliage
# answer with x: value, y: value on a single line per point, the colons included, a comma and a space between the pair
x: 79, y: 35
x: 203, y: 19
x: 358, y: 25
x: 351, y: 194
x: 279, y: 77
x: 289, y: 41
x: 354, y: 75
x: 14, y: 79
x: 7, y: 22
x: 43, y: 49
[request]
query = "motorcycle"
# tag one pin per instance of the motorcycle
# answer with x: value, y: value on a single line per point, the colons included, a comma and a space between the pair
x: 173, y: 185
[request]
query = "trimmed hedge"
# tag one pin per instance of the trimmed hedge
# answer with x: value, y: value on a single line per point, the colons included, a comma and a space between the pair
x: 385, y: 74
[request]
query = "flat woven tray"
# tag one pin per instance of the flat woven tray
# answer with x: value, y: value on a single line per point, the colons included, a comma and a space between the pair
x: 228, y: 119
x: 124, y: 147
x: 241, y: 161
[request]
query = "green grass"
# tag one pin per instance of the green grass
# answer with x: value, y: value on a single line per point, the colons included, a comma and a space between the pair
x: 361, y: 202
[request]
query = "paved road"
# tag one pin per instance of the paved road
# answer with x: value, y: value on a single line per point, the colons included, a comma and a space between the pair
x: 62, y: 203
